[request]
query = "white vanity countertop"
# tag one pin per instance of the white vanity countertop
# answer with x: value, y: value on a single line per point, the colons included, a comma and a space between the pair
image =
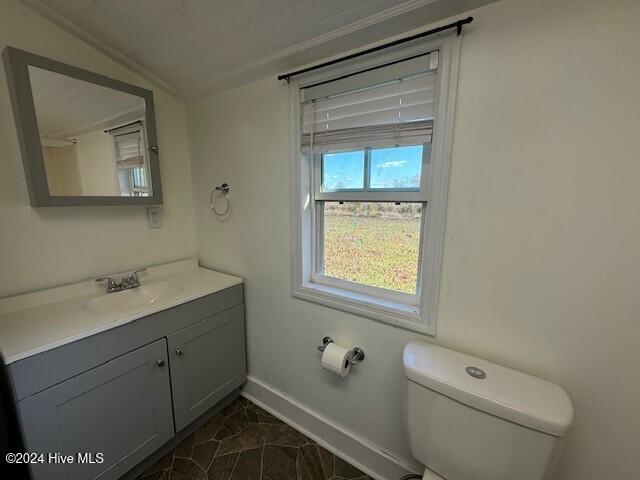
x: 33, y: 323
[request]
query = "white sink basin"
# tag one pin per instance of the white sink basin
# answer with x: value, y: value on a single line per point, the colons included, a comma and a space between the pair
x: 134, y: 298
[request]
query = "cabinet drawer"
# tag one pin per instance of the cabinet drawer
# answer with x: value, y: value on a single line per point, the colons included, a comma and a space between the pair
x: 207, y: 363
x: 121, y: 409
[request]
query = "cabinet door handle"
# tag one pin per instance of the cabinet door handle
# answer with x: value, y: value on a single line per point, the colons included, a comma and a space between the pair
x: 178, y: 351
x: 160, y: 363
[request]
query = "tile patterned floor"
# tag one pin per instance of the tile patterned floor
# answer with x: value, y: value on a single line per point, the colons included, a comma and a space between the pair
x: 243, y: 442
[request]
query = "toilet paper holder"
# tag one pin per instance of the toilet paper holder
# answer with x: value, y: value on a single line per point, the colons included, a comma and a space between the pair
x: 356, y: 354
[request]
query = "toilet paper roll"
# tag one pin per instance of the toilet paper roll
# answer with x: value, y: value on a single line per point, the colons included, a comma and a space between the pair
x: 334, y: 359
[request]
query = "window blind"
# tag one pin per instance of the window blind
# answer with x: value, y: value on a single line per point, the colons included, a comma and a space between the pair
x: 129, y: 150
x: 393, y: 104
x: 373, y: 136
x: 129, y: 145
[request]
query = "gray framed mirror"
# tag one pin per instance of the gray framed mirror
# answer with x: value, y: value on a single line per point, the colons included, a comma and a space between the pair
x: 86, y: 139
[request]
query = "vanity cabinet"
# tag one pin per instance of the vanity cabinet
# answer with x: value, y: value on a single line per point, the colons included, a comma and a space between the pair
x: 127, y: 391
x: 121, y: 409
x: 205, y: 366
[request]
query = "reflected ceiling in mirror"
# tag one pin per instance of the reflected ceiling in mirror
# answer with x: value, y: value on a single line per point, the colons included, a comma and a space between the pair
x: 93, y: 138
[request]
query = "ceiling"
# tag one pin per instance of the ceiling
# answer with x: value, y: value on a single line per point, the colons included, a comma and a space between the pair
x: 199, y: 47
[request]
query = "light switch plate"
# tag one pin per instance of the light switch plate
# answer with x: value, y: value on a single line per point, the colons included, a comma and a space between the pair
x: 154, y: 217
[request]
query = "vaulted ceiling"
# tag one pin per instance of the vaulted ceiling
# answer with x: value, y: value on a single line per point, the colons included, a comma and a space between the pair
x: 199, y: 47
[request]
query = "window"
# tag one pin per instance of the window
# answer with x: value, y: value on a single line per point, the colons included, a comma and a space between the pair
x: 372, y: 243
x: 129, y: 145
x: 396, y: 167
x: 371, y: 149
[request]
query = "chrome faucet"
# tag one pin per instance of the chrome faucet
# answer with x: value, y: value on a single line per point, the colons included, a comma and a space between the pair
x: 130, y: 281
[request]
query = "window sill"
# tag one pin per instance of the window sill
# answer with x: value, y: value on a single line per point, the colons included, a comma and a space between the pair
x: 402, y: 315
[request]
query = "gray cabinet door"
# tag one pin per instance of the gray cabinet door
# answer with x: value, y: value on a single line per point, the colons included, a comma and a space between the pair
x: 207, y: 363
x: 121, y: 409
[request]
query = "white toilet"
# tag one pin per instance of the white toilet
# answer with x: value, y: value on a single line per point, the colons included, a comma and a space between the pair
x: 468, y: 419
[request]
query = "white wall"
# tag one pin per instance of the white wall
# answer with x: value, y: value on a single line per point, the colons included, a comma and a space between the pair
x: 542, y: 238
x: 51, y: 246
x: 63, y: 173
x: 96, y: 153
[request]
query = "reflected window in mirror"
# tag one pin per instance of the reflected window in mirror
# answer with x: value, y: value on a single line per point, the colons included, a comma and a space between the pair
x: 130, y: 148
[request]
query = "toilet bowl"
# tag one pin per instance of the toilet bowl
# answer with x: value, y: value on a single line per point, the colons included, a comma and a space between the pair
x: 469, y: 419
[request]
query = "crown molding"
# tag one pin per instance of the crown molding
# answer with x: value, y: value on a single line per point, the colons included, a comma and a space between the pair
x: 319, y: 47
x: 370, y: 21
x: 374, y: 19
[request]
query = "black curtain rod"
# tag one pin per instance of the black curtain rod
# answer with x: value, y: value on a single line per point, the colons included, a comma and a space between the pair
x: 137, y: 122
x: 457, y: 25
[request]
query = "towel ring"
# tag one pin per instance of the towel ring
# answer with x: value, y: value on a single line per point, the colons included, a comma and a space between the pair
x: 224, y: 189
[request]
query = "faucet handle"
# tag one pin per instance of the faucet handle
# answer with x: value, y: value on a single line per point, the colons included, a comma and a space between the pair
x: 134, y: 274
x: 133, y: 279
x: 111, y: 283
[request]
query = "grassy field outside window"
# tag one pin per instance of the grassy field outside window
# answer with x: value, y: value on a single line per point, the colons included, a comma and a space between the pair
x: 373, y: 243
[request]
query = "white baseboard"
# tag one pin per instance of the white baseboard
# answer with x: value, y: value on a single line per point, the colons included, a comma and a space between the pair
x: 349, y: 446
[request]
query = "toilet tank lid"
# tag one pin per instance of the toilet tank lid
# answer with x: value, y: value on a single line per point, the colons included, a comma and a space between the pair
x: 505, y: 393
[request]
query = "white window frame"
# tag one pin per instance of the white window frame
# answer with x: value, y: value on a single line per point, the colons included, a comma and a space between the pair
x: 408, y: 194
x: 320, y: 197
x: 416, y: 313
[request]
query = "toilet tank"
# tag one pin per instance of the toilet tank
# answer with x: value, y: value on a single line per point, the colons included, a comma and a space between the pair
x: 467, y: 418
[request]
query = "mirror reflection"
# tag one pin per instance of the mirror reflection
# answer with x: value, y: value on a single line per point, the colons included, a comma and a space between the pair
x: 93, y: 138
